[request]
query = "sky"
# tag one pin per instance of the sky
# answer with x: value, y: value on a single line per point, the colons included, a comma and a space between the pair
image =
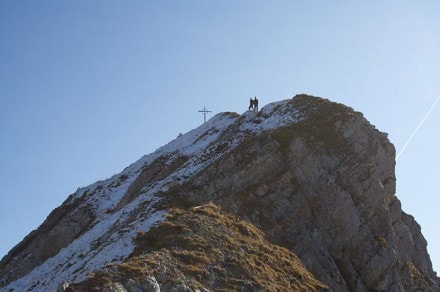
x: 88, y: 87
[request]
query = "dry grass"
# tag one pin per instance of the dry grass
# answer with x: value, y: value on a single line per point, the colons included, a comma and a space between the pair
x: 204, y: 247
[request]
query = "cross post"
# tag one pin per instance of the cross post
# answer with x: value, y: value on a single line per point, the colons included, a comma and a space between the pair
x: 205, y: 112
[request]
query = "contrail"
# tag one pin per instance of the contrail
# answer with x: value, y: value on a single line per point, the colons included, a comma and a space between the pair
x: 418, y: 127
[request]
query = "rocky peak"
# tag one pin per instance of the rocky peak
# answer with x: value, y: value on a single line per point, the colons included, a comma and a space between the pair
x: 306, y: 175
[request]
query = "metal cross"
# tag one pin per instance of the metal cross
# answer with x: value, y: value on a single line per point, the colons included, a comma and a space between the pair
x: 205, y: 112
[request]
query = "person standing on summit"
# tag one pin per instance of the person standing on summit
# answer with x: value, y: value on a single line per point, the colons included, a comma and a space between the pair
x: 253, y: 104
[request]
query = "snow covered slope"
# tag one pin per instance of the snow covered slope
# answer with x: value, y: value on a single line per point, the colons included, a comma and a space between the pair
x: 107, y: 235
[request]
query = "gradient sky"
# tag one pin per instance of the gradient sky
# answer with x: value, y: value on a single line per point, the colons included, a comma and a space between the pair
x: 88, y: 87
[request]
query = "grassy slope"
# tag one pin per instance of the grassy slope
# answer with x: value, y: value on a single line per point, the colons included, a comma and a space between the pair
x: 202, y: 247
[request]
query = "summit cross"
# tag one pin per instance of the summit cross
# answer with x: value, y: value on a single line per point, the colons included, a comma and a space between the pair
x: 205, y: 112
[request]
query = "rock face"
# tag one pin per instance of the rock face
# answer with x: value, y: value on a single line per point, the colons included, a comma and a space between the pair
x: 309, y: 177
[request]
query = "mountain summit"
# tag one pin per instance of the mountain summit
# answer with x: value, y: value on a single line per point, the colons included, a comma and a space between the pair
x: 299, y: 196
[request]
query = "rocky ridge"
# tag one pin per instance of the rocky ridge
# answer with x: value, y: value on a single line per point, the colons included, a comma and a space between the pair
x: 307, y: 176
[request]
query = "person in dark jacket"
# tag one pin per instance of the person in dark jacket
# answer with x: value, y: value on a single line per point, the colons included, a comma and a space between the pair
x: 251, y: 104
x: 255, y: 104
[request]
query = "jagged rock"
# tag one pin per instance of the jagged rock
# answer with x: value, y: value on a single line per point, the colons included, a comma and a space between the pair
x: 180, y: 288
x: 115, y: 287
x: 313, y: 176
x: 150, y: 285
x: 133, y: 286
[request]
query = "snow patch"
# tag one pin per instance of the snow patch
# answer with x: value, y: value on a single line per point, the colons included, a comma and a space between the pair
x: 91, y: 251
x: 198, y: 139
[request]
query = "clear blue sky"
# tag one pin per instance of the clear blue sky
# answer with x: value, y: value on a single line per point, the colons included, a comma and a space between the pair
x: 88, y: 87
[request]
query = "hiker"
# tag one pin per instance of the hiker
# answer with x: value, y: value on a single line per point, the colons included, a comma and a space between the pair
x: 253, y: 104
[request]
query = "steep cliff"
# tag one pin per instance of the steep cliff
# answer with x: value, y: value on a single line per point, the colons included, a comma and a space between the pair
x: 301, y: 194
